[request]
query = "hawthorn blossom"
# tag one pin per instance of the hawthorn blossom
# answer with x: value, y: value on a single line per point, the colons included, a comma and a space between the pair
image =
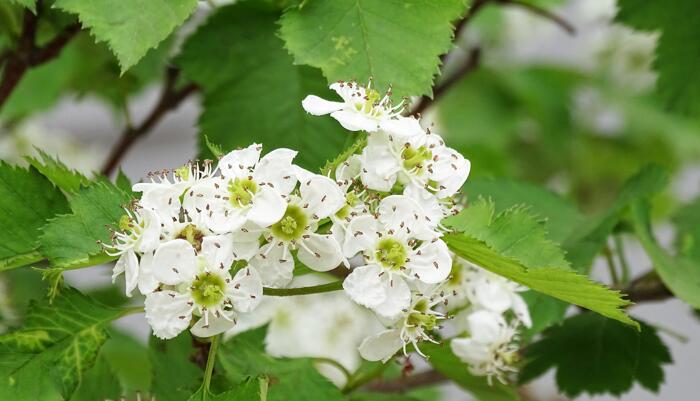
x: 363, y: 109
x: 199, y: 284
x: 319, y: 198
x: 395, y: 253
x: 249, y: 189
x: 490, y: 349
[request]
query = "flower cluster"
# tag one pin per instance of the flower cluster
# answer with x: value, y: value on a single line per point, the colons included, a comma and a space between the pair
x: 204, y: 239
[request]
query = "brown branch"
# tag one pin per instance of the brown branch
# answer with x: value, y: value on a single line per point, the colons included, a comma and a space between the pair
x: 28, y: 55
x: 647, y: 287
x: 169, y: 100
x: 406, y: 383
x: 469, y: 65
x: 564, y: 24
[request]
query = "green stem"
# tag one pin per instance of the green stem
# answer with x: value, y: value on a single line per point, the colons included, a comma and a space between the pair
x: 611, y: 266
x: 362, y: 379
x: 24, y: 259
x: 211, y: 358
x: 337, y: 365
x: 620, y: 249
x: 314, y: 289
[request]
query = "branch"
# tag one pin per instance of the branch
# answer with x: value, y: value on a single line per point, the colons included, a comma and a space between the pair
x: 314, y: 289
x: 406, y: 383
x: 564, y: 24
x: 647, y: 287
x: 28, y: 55
x: 169, y: 100
x: 469, y: 65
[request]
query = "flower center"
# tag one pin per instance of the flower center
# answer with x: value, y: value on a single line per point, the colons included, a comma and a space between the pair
x: 242, y: 191
x: 414, y: 158
x: 208, y: 290
x: 192, y: 235
x: 292, y: 225
x: 372, y: 98
x: 391, y: 253
x: 351, y: 199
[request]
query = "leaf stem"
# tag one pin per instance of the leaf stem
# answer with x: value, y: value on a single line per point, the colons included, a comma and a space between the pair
x: 337, y: 365
x: 360, y: 380
x: 211, y: 359
x: 620, y: 250
x: 611, y: 266
x: 314, y: 289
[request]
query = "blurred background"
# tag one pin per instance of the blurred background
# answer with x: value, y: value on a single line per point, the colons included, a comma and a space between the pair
x: 569, y: 105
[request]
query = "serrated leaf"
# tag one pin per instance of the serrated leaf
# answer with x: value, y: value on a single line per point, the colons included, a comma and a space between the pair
x: 677, y: 57
x: 250, y: 389
x: 130, y: 27
x: 174, y: 376
x: 72, y: 239
x: 680, y: 274
x: 356, y: 147
x: 557, y: 282
x: 28, y: 200
x: 294, y: 379
x: 370, y: 38
x: 445, y: 362
x: 30, y: 4
x: 71, y: 333
x: 235, y: 80
x: 597, y: 355
x: 58, y: 173
x: 362, y: 396
x: 687, y: 222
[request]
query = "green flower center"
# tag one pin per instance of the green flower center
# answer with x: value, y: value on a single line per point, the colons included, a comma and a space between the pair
x: 192, y: 235
x: 424, y: 320
x: 242, y: 191
x: 372, y: 97
x: 183, y: 172
x: 391, y: 253
x: 351, y: 199
x: 124, y: 223
x: 413, y: 157
x: 208, y: 290
x: 292, y: 225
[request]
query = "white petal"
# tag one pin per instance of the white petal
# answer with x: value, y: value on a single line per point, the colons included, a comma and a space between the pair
x: 318, y: 106
x: 402, y: 126
x: 521, y: 311
x: 274, y: 168
x: 224, y: 217
x: 320, y: 252
x: 485, y: 326
x: 245, y: 250
x: 147, y: 282
x: 355, y: 121
x: 150, y: 237
x: 217, y: 325
x: 274, y: 268
x: 240, y: 163
x: 323, y: 195
x: 361, y: 235
x: 364, y: 286
x: 164, y: 199
x: 268, y: 207
x: 491, y: 293
x: 381, y: 346
x: 168, y: 313
x: 175, y: 262
x: 129, y: 264
x: 398, y: 297
x: 380, y: 167
x: 400, y: 213
x: 434, y: 263
x: 245, y: 290
x: 470, y: 351
x: 349, y: 169
x: 217, y: 250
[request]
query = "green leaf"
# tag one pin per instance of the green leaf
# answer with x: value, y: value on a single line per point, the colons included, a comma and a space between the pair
x: 30, y: 4
x: 174, y: 376
x: 687, y: 222
x: 124, y: 183
x: 72, y: 239
x: 28, y: 200
x: 445, y: 362
x: 597, y: 355
x: 250, y: 389
x: 557, y: 282
x: 235, y: 114
x: 130, y: 27
x: 680, y: 274
x: 370, y: 38
x: 677, y: 58
x: 47, y: 358
x: 290, y: 379
x: 58, y: 173
x: 380, y: 397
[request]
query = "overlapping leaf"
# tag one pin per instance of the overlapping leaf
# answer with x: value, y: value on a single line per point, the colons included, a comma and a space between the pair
x: 597, y: 355
x: 367, y: 38
x: 251, y: 95
x: 27, y: 200
x: 58, y: 173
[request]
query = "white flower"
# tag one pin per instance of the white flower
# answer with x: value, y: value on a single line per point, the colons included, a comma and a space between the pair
x: 394, y: 252
x: 413, y: 326
x: 199, y: 284
x: 139, y: 232
x: 319, y: 198
x: 346, y: 176
x: 250, y: 189
x: 490, y: 349
x: 420, y: 160
x: 363, y: 109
